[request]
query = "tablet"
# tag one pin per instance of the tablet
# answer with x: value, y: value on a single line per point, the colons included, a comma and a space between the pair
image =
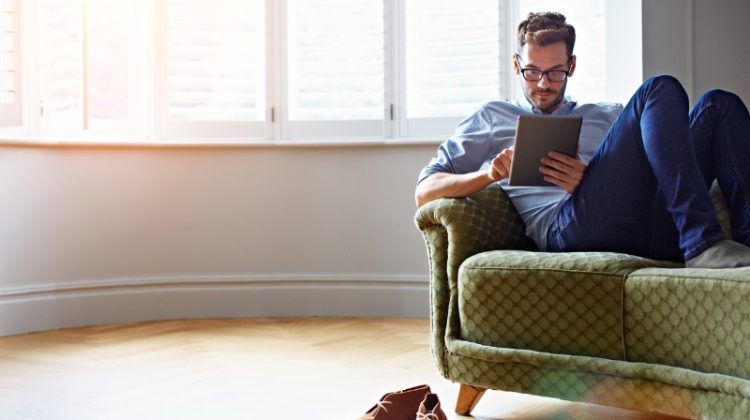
x: 537, y: 135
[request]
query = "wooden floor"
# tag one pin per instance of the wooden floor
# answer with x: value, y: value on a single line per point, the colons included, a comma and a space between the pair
x: 305, y: 368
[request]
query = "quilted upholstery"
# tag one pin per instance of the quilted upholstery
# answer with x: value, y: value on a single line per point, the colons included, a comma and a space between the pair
x: 563, y: 303
x: 599, y: 327
x: 698, y: 319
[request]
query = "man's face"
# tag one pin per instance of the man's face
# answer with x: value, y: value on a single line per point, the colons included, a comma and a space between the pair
x: 544, y: 95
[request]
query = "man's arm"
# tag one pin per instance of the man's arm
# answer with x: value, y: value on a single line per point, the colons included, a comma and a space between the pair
x: 447, y: 185
x: 564, y: 171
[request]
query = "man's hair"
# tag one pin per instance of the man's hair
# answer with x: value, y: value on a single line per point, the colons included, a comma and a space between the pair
x: 545, y: 29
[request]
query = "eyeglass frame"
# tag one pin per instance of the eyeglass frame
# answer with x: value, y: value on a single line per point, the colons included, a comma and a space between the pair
x: 543, y: 72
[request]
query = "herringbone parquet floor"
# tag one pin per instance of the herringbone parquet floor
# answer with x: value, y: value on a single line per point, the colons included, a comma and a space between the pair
x: 301, y: 368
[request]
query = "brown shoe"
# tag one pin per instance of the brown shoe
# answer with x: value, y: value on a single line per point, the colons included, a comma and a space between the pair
x: 399, y: 405
x: 430, y: 409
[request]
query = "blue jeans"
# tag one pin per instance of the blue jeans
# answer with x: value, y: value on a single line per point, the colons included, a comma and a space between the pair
x: 645, y: 191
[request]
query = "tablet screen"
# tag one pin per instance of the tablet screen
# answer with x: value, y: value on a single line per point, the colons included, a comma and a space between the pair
x: 537, y: 135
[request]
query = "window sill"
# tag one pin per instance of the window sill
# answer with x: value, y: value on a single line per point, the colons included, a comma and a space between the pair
x: 218, y: 143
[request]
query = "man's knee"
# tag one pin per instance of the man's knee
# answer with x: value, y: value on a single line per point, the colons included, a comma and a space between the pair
x: 721, y: 98
x: 664, y: 82
x: 663, y: 86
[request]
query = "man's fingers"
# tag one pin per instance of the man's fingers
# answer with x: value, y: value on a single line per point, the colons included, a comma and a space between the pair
x: 564, y: 185
x: 505, y: 160
x: 561, y: 180
x: 500, y: 167
x: 501, y: 163
x: 572, y: 168
x: 562, y: 157
x: 562, y: 170
x: 564, y: 180
x: 557, y: 164
x: 558, y: 159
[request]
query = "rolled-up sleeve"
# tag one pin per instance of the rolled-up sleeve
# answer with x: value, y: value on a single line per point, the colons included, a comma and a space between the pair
x: 467, y: 150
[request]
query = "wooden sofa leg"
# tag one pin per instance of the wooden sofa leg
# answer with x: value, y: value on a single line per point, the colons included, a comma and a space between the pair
x: 468, y: 397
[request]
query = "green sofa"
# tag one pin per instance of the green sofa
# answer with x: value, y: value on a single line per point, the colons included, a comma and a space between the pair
x: 598, y: 327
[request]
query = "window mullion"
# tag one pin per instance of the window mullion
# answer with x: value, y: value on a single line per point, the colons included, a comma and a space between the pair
x: 142, y: 75
x: 30, y: 68
x: 159, y: 56
x: 398, y: 72
x: 512, y: 14
x: 84, y: 66
x: 390, y: 67
x: 275, y: 68
x: 282, y: 114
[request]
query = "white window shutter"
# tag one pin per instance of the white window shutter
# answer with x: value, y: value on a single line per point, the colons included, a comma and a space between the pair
x: 211, y: 68
x: 455, y: 59
x: 334, y: 69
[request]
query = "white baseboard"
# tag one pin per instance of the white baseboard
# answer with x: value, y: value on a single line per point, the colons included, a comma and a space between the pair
x: 42, y: 308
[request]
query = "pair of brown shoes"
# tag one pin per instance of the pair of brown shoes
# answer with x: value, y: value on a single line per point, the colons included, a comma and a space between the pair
x: 416, y: 403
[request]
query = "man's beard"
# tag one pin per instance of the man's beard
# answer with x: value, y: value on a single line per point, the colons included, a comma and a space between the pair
x: 548, y: 106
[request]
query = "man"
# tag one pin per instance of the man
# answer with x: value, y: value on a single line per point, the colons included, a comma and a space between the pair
x: 639, y: 184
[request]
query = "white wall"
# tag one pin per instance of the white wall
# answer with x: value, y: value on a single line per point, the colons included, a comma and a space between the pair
x: 266, y: 231
x: 721, y: 55
x: 704, y: 43
x: 97, y: 235
x: 78, y: 214
x: 668, y: 40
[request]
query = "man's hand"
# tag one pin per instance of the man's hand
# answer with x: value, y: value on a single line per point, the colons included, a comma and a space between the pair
x: 500, y: 166
x: 562, y: 170
x: 441, y: 185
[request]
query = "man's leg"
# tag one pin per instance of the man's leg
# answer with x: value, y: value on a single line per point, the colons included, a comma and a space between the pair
x: 643, y: 193
x: 720, y: 129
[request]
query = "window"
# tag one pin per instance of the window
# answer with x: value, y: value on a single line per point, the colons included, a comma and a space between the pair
x: 87, y: 74
x: 334, y: 69
x: 211, y: 68
x: 608, y: 39
x: 10, y: 63
x: 281, y: 70
x: 455, y: 60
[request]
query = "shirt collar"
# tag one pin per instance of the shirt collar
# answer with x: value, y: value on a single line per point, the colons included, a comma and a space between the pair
x: 565, y: 108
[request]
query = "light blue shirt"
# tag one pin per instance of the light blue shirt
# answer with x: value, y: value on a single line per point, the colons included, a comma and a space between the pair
x: 484, y: 134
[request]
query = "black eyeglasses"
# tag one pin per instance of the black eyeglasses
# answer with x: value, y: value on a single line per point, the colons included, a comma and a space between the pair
x: 535, y: 75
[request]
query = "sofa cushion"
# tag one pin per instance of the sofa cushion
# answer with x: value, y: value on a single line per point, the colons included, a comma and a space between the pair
x: 553, y: 302
x: 693, y: 318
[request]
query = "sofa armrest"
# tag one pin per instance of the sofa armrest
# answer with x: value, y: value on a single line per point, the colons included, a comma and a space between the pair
x: 455, y: 229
